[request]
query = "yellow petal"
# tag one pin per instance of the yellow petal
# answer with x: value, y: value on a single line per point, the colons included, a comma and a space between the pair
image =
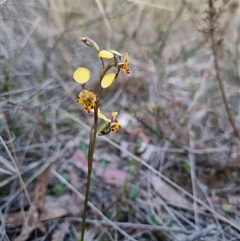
x: 105, y: 54
x: 87, y: 94
x: 114, y: 115
x: 125, y: 57
x: 81, y: 75
x: 102, y: 116
x: 115, y: 52
x: 107, y: 80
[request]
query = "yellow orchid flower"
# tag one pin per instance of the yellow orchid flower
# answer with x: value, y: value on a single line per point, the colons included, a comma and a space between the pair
x: 124, y: 65
x: 114, y: 126
x: 110, y: 124
x: 88, y: 99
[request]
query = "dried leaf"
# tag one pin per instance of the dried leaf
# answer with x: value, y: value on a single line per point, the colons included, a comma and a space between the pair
x: 33, y: 215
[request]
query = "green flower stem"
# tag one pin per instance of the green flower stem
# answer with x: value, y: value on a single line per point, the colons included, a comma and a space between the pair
x: 93, y: 136
x: 99, y: 93
x: 117, y: 73
x: 103, y: 65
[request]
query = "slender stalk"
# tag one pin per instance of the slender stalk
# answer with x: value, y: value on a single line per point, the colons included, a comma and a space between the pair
x: 103, y: 65
x: 214, y: 50
x: 93, y: 136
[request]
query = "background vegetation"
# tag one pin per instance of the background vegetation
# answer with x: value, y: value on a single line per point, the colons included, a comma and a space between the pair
x: 172, y: 172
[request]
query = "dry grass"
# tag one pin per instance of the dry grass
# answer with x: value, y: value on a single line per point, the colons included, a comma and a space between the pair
x: 173, y: 171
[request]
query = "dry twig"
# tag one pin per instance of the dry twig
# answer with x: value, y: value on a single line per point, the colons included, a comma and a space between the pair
x: 212, y: 15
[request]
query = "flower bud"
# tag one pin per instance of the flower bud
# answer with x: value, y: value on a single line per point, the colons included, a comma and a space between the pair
x: 89, y: 42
